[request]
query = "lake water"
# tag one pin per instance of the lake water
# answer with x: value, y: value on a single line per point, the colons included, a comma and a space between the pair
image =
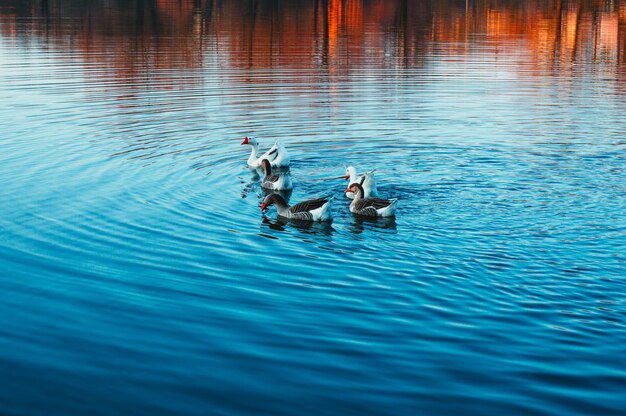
x: 138, y: 275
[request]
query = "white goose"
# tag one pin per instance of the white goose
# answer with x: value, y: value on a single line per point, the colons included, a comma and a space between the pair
x: 366, y: 180
x: 370, y: 207
x: 311, y: 210
x: 275, y: 181
x: 277, y: 155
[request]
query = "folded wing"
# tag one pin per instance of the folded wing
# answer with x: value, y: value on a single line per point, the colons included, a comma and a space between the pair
x: 310, y: 205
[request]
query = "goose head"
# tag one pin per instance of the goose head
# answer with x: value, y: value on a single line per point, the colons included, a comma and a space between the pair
x: 356, y: 189
x: 273, y: 199
x: 267, y: 201
x: 251, y: 141
x: 350, y: 173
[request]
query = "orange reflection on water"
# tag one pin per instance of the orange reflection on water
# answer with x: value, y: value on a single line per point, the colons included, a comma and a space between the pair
x: 334, y: 24
x: 332, y: 34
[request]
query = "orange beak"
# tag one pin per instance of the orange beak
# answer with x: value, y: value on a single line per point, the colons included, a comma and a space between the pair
x: 347, y: 190
x: 245, y: 141
x: 263, y: 206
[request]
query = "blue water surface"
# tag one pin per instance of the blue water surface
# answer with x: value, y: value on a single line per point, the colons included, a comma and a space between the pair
x: 138, y: 275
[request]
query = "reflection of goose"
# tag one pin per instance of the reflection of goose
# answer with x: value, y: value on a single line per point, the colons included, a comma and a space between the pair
x: 307, y: 227
x: 311, y: 210
x: 382, y: 224
x: 275, y: 181
x: 366, y: 180
x: 277, y: 155
x: 371, y: 207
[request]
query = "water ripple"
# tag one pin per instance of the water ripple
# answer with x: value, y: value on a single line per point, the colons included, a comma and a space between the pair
x: 140, y: 276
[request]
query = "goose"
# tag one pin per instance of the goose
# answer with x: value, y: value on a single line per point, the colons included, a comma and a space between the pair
x: 371, y: 207
x: 366, y: 180
x: 277, y: 155
x: 311, y: 210
x: 275, y: 181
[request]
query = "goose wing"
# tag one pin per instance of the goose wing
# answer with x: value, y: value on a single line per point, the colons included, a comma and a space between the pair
x: 308, y: 205
x: 271, y: 154
x: 376, y: 203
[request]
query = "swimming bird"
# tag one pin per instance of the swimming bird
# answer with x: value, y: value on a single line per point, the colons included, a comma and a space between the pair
x: 366, y: 180
x: 371, y: 207
x: 277, y: 155
x: 275, y: 181
x: 311, y: 210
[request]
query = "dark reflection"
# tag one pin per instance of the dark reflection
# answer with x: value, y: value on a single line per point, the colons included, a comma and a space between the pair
x: 361, y: 224
x: 307, y: 227
x: 255, y: 175
x: 252, y: 186
x: 337, y: 35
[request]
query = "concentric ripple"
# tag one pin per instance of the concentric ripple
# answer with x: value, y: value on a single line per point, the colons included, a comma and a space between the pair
x: 139, y: 275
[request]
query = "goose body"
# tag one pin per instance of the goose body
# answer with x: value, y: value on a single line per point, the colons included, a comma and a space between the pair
x: 366, y: 180
x: 311, y: 210
x: 370, y: 207
x: 277, y: 154
x: 275, y: 181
